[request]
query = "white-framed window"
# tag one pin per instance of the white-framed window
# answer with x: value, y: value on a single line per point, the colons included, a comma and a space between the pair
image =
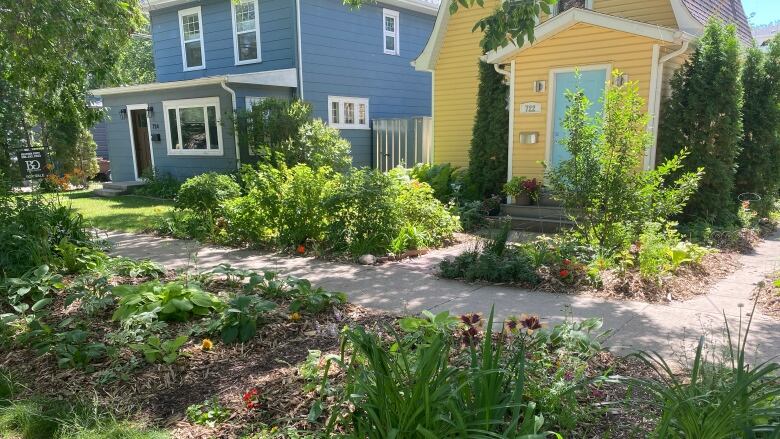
x: 564, y: 5
x: 251, y: 101
x: 390, y: 32
x: 246, y: 31
x: 191, y: 32
x: 193, y: 126
x: 348, y: 113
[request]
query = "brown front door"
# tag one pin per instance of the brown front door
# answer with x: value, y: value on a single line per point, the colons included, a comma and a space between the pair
x: 143, y: 154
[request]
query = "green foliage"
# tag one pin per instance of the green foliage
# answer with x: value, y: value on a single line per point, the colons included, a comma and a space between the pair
x: 409, y: 238
x: 472, y: 216
x: 31, y: 227
x: 253, y: 217
x: 603, y: 186
x: 495, y: 261
x: 156, y: 350
x: 29, y: 295
x: 282, y: 133
x: 302, y: 213
x: 173, y: 301
x: 311, y: 369
x: 135, y: 64
x: 662, y: 251
x: 430, y: 324
x: 77, y: 258
x: 158, y: 186
x: 443, y: 178
x: 488, y: 154
x: 207, y: 192
x: 134, y: 268
x: 187, y: 224
x: 704, y: 116
x: 432, y: 222
x: 758, y: 165
x: 209, y: 413
x: 74, y: 350
x: 240, y: 319
x: 718, y: 397
x: 313, y: 300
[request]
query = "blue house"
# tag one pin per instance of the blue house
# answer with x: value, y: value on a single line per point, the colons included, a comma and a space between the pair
x: 216, y: 56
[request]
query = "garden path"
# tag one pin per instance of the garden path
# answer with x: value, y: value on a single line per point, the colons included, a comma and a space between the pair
x: 411, y: 286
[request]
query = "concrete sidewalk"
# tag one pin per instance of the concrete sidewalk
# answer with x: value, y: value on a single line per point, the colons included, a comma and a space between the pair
x: 411, y: 286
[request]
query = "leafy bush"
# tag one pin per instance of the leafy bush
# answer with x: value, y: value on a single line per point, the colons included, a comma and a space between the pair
x: 253, y: 217
x: 302, y: 213
x: 78, y: 258
x: 173, y: 301
x: 187, y: 224
x: 602, y: 186
x: 28, y: 295
x: 420, y: 210
x: 239, y: 320
x: 156, y: 350
x: 282, y: 133
x: 156, y: 185
x: 209, y: 413
x: 30, y: 229
x: 207, y: 192
x: 662, y: 251
x: 443, y: 178
x: 136, y: 269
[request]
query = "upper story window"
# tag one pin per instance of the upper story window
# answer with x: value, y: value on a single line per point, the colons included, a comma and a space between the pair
x: 193, y: 126
x: 564, y: 5
x: 190, y: 24
x: 246, y: 31
x: 348, y: 113
x: 390, y: 32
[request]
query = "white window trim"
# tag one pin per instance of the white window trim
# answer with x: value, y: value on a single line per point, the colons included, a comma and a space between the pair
x: 251, y: 101
x: 348, y: 100
x: 182, y: 13
x: 235, y: 33
x: 397, y: 34
x: 588, y: 5
x: 186, y: 103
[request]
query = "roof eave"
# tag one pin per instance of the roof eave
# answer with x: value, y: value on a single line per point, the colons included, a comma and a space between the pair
x: 427, y: 59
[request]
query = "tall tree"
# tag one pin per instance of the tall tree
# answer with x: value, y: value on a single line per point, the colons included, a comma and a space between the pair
x: 51, y: 50
x: 758, y: 169
x: 704, y: 115
x: 135, y: 64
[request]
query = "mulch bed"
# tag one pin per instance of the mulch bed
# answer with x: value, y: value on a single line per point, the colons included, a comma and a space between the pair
x: 768, y: 296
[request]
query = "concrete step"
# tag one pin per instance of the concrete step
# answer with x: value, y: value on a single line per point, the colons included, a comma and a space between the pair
x: 533, y: 211
x: 123, y: 185
x: 538, y: 225
x: 108, y: 192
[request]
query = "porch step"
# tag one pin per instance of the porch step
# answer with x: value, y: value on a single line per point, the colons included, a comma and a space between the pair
x: 108, y: 192
x: 537, y: 225
x: 533, y: 211
x: 123, y: 185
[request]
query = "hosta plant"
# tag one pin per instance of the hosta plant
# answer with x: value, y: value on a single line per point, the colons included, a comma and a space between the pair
x: 156, y: 350
x: 174, y: 301
x: 240, y: 319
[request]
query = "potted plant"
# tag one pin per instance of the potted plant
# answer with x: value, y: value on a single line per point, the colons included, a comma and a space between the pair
x: 514, y: 188
x: 531, y: 188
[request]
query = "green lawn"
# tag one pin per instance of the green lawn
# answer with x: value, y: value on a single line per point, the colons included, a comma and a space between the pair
x: 126, y: 213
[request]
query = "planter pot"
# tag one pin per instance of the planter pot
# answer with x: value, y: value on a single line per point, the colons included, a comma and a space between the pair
x: 545, y: 199
x: 522, y: 199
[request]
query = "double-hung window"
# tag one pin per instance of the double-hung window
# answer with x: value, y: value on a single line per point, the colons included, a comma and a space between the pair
x: 348, y: 113
x: 193, y: 126
x: 191, y: 27
x: 390, y: 32
x: 246, y: 31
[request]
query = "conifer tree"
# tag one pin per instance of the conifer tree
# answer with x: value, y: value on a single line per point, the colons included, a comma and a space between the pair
x: 704, y: 115
x: 758, y: 169
x: 488, y: 154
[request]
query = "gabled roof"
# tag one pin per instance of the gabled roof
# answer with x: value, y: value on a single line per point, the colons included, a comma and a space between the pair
x: 424, y: 6
x: 564, y: 21
x: 731, y: 11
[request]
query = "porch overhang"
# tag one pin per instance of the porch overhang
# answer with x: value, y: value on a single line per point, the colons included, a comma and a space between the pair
x: 275, y: 78
x: 562, y: 22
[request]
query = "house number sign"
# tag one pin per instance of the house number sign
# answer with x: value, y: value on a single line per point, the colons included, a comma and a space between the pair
x: 530, y: 107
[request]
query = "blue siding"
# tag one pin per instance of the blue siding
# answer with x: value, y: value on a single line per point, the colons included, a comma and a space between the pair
x: 277, y: 39
x: 343, y: 56
x: 119, y: 145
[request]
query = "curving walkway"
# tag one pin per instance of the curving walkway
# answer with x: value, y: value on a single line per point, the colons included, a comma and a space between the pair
x: 411, y: 286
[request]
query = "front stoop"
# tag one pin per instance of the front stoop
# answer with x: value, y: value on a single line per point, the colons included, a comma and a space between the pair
x: 118, y: 188
x: 540, y: 219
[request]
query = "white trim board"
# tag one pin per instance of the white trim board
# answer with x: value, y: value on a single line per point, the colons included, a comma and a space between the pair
x: 396, y: 34
x: 430, y: 54
x: 259, y: 58
x: 564, y: 21
x: 278, y: 78
x: 201, y: 31
x: 197, y: 102
x: 130, y: 109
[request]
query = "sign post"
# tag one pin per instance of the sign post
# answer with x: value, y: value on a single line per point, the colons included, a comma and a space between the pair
x: 32, y: 164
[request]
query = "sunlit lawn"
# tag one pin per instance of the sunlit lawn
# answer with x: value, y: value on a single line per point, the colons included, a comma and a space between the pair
x: 126, y: 213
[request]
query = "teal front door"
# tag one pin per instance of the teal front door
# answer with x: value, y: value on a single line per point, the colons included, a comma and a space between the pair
x: 592, y: 83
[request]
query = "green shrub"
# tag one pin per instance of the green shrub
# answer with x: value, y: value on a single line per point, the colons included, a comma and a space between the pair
x: 422, y: 211
x: 78, y: 258
x: 240, y: 319
x: 30, y: 229
x: 207, y: 192
x: 302, y: 214
x: 187, y: 224
x: 602, y: 186
x: 156, y: 350
x: 254, y: 217
x: 703, y: 115
x: 173, y: 301
x: 443, y: 178
x: 662, y: 251
x: 156, y: 185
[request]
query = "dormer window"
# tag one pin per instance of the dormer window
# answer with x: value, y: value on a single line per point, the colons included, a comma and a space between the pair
x: 564, y: 5
x: 246, y: 31
x: 192, y: 39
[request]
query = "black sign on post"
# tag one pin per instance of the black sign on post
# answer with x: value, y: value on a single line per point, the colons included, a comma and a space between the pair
x: 32, y: 163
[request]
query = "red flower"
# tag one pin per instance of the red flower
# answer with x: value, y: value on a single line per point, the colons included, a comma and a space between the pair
x: 301, y: 249
x: 567, y: 262
x: 564, y: 273
x: 251, y: 399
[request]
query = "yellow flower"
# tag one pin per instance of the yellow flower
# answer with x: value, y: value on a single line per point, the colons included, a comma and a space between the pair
x: 295, y: 316
x: 207, y: 344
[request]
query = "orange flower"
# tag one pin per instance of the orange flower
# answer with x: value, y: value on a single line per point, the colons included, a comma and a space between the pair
x: 301, y: 249
x: 564, y: 273
x: 296, y: 316
x: 206, y: 344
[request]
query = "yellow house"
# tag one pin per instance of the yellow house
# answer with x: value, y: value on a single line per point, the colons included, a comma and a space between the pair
x: 646, y: 40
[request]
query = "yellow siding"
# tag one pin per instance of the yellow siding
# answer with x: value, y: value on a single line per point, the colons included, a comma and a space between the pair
x: 581, y: 45
x: 648, y: 11
x: 456, y: 81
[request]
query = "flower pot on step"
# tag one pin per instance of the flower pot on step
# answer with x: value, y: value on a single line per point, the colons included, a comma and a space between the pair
x: 522, y: 199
